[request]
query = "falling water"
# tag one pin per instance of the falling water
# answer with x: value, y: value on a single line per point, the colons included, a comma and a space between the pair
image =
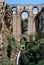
x: 18, y: 56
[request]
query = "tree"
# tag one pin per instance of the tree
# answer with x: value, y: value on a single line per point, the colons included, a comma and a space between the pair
x: 11, y: 42
x: 24, y: 25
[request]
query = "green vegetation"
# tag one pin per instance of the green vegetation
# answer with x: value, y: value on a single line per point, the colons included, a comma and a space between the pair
x: 41, y: 62
x: 11, y: 43
x: 34, y: 37
x: 34, y: 50
x: 24, y: 25
x: 23, y: 41
x: 6, y: 61
x: 33, y: 53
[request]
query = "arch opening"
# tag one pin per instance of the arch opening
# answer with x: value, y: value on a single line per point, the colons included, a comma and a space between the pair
x: 35, y: 10
x: 24, y: 22
x: 23, y: 40
x: 14, y: 10
x: 24, y: 14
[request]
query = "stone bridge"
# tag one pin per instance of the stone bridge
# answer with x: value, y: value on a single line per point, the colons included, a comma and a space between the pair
x: 17, y: 18
x: 14, y: 18
x: 10, y: 21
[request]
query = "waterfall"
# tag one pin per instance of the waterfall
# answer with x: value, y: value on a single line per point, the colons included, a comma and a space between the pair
x: 18, y: 56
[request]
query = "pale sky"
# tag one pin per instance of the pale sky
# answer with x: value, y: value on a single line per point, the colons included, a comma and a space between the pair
x: 24, y: 1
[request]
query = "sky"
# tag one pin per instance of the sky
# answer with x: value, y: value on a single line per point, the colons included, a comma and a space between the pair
x: 24, y: 15
x: 24, y: 1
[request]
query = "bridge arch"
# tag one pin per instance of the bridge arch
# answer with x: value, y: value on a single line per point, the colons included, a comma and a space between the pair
x: 24, y: 21
x: 14, y: 9
x: 24, y: 11
x: 35, y: 10
x: 23, y: 40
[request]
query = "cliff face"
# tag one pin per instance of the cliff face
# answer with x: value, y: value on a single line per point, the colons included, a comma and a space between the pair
x: 39, y: 22
x: 42, y: 24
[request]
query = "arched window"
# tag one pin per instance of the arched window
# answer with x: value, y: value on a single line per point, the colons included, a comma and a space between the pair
x: 35, y: 10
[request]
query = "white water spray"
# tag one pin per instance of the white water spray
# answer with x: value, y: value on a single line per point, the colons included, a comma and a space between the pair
x: 18, y: 56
